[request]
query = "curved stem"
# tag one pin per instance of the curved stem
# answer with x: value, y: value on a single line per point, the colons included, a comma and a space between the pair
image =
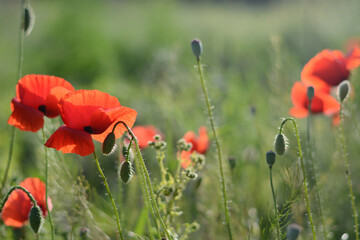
x: 303, y: 170
x: 110, y: 195
x: 217, y: 143
x: 347, y: 174
x: 275, y: 207
x: 11, y: 190
x: 47, y: 187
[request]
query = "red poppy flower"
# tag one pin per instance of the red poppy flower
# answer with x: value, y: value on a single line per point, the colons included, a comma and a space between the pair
x: 328, y: 68
x: 199, y: 144
x: 17, y: 208
x: 145, y: 134
x: 321, y: 102
x: 353, y: 58
x: 36, y: 96
x: 87, y: 115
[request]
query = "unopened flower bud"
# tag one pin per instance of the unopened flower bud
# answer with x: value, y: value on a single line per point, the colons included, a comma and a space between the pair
x: 232, y: 162
x: 310, y: 92
x: 109, y: 144
x: 280, y: 144
x: 270, y: 158
x: 196, y: 47
x: 126, y: 171
x: 343, y: 90
x: 293, y: 231
x: 29, y: 20
x: 36, y: 219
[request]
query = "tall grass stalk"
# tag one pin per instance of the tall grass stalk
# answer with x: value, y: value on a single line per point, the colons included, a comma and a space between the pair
x: 313, y: 169
x: 303, y: 170
x: 110, y: 195
x: 218, y: 149
x: 20, y: 63
x: 47, y: 186
x: 275, y: 207
x: 347, y: 172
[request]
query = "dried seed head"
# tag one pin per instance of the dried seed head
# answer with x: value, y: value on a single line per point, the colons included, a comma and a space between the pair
x: 109, y: 144
x: 280, y: 144
x: 36, y: 219
x: 310, y: 92
x: 126, y: 171
x: 270, y: 158
x: 196, y: 47
x: 343, y: 90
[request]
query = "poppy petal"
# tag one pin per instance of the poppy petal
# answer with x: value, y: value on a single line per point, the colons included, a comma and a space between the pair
x: 185, y: 160
x: 203, y: 142
x: 69, y: 140
x: 331, y: 105
x: 145, y: 134
x: 124, y: 114
x: 299, y: 112
x: 190, y: 137
x: 25, y: 118
x: 353, y: 58
x: 298, y: 94
x: 52, y: 100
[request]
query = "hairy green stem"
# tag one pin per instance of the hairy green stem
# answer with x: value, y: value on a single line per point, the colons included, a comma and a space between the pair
x: 217, y: 143
x: 110, y: 195
x: 47, y: 186
x: 20, y: 61
x: 303, y: 170
x: 11, y: 190
x: 275, y: 207
x: 313, y: 169
x: 347, y: 173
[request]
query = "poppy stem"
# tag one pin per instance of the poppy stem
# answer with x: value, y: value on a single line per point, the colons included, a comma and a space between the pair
x: 145, y: 174
x: 313, y: 169
x: 11, y: 190
x: 46, y: 186
x: 110, y: 195
x: 217, y: 143
x: 303, y: 170
x: 20, y: 61
x: 347, y: 173
x: 275, y: 207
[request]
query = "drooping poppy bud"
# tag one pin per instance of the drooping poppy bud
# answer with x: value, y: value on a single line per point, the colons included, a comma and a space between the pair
x: 36, y: 218
x: 29, y: 20
x: 126, y: 171
x: 270, y: 158
x: 343, y: 90
x: 196, y: 47
x: 109, y: 144
x: 280, y: 144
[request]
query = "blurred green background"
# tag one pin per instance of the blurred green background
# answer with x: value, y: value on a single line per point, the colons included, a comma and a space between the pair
x: 139, y: 51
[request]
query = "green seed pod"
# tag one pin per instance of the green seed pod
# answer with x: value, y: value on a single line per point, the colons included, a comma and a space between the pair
x: 126, y: 172
x: 270, y: 158
x: 109, y: 144
x: 280, y: 144
x: 310, y: 92
x: 196, y: 47
x: 343, y: 90
x: 29, y: 20
x: 36, y: 219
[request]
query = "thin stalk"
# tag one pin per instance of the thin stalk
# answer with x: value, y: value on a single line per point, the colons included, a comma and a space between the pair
x: 347, y: 173
x: 303, y: 170
x: 313, y: 169
x: 46, y: 186
x: 20, y: 61
x: 217, y: 143
x: 145, y: 173
x: 275, y: 207
x: 11, y: 190
x: 110, y: 195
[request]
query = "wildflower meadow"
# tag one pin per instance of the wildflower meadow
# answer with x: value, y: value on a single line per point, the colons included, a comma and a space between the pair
x: 179, y: 120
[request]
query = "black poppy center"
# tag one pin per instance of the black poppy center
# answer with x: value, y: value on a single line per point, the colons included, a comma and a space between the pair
x: 42, y: 108
x: 88, y: 129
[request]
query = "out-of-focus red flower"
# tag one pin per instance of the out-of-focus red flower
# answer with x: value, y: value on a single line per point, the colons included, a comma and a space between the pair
x: 321, y: 102
x: 353, y: 58
x: 328, y: 68
x: 17, y: 208
x: 145, y: 134
x: 36, y: 96
x: 87, y: 115
x: 199, y: 144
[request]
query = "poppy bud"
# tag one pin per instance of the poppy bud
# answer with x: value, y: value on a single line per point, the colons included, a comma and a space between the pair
x: 29, y: 20
x: 270, y: 158
x: 310, y: 92
x: 280, y: 144
x: 109, y: 144
x: 196, y: 47
x: 126, y: 171
x: 36, y: 219
x: 343, y: 90
x: 293, y: 231
x: 232, y: 162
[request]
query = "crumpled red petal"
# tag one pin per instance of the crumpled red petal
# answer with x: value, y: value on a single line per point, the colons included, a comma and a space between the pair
x: 52, y: 100
x: 203, y: 141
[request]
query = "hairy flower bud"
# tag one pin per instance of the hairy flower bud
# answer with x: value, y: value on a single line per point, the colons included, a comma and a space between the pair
x: 270, y: 158
x: 343, y: 90
x: 29, y: 20
x: 109, y: 144
x: 36, y: 219
x: 310, y: 92
x: 126, y: 171
x: 196, y: 47
x: 280, y: 144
